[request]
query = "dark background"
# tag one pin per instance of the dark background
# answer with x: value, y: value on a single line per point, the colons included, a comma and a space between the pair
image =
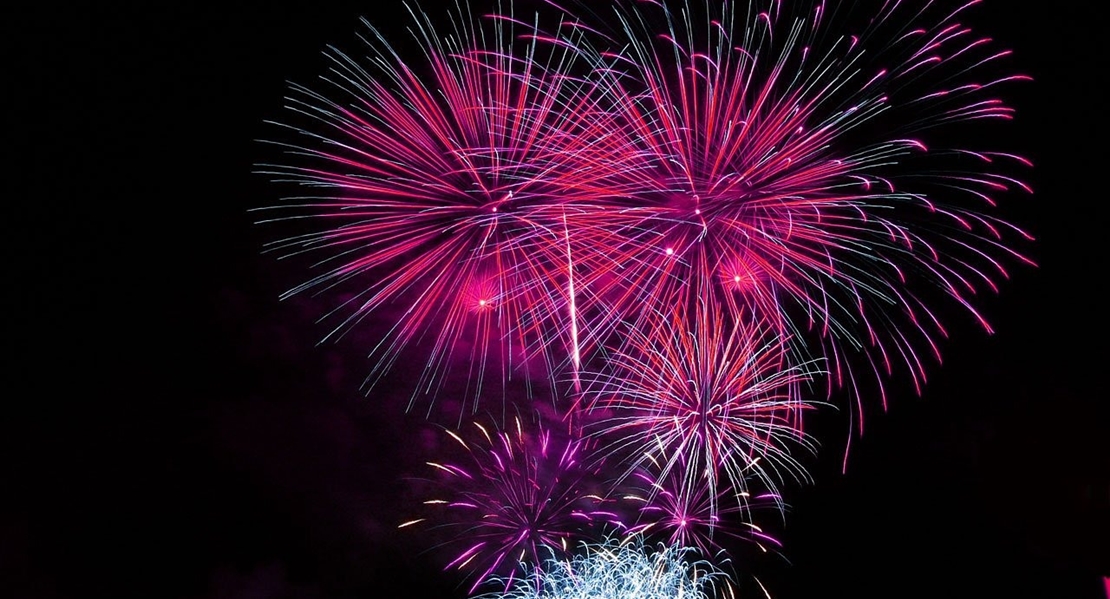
x: 174, y: 431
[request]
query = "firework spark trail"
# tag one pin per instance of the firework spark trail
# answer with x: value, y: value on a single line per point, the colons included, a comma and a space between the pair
x: 441, y: 198
x: 518, y: 494
x: 696, y: 516
x: 717, y: 402
x: 623, y: 570
x: 796, y: 168
x: 572, y: 307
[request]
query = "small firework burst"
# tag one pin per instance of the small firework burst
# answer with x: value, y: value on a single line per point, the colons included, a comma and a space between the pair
x: 623, y: 570
x: 672, y: 510
x: 717, y: 403
x: 515, y: 496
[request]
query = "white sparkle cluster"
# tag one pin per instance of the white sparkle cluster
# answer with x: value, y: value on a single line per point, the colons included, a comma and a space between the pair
x: 622, y: 570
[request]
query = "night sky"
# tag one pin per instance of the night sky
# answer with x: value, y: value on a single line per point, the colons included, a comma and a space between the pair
x: 177, y: 432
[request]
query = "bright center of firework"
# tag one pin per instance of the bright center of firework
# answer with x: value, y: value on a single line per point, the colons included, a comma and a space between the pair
x: 670, y: 251
x: 741, y: 276
x: 482, y: 302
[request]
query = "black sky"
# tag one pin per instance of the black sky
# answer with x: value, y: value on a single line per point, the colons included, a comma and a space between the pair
x: 176, y: 432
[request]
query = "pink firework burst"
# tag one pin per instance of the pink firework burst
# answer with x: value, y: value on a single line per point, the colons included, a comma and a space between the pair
x: 716, y: 403
x: 797, y: 157
x: 516, y: 496
x: 444, y: 208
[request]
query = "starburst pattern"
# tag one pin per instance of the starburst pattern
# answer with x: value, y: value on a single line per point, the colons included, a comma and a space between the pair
x: 679, y: 514
x: 624, y: 570
x: 443, y: 205
x: 718, y: 401
x: 515, y: 495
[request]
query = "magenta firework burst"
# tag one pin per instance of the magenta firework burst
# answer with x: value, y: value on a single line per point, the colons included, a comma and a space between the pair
x: 802, y: 159
x: 443, y: 209
x: 516, y: 496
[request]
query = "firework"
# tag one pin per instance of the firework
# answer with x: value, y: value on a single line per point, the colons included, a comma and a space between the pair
x: 718, y: 403
x: 798, y: 161
x: 515, y: 496
x: 710, y: 519
x: 625, y: 570
x: 444, y: 208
